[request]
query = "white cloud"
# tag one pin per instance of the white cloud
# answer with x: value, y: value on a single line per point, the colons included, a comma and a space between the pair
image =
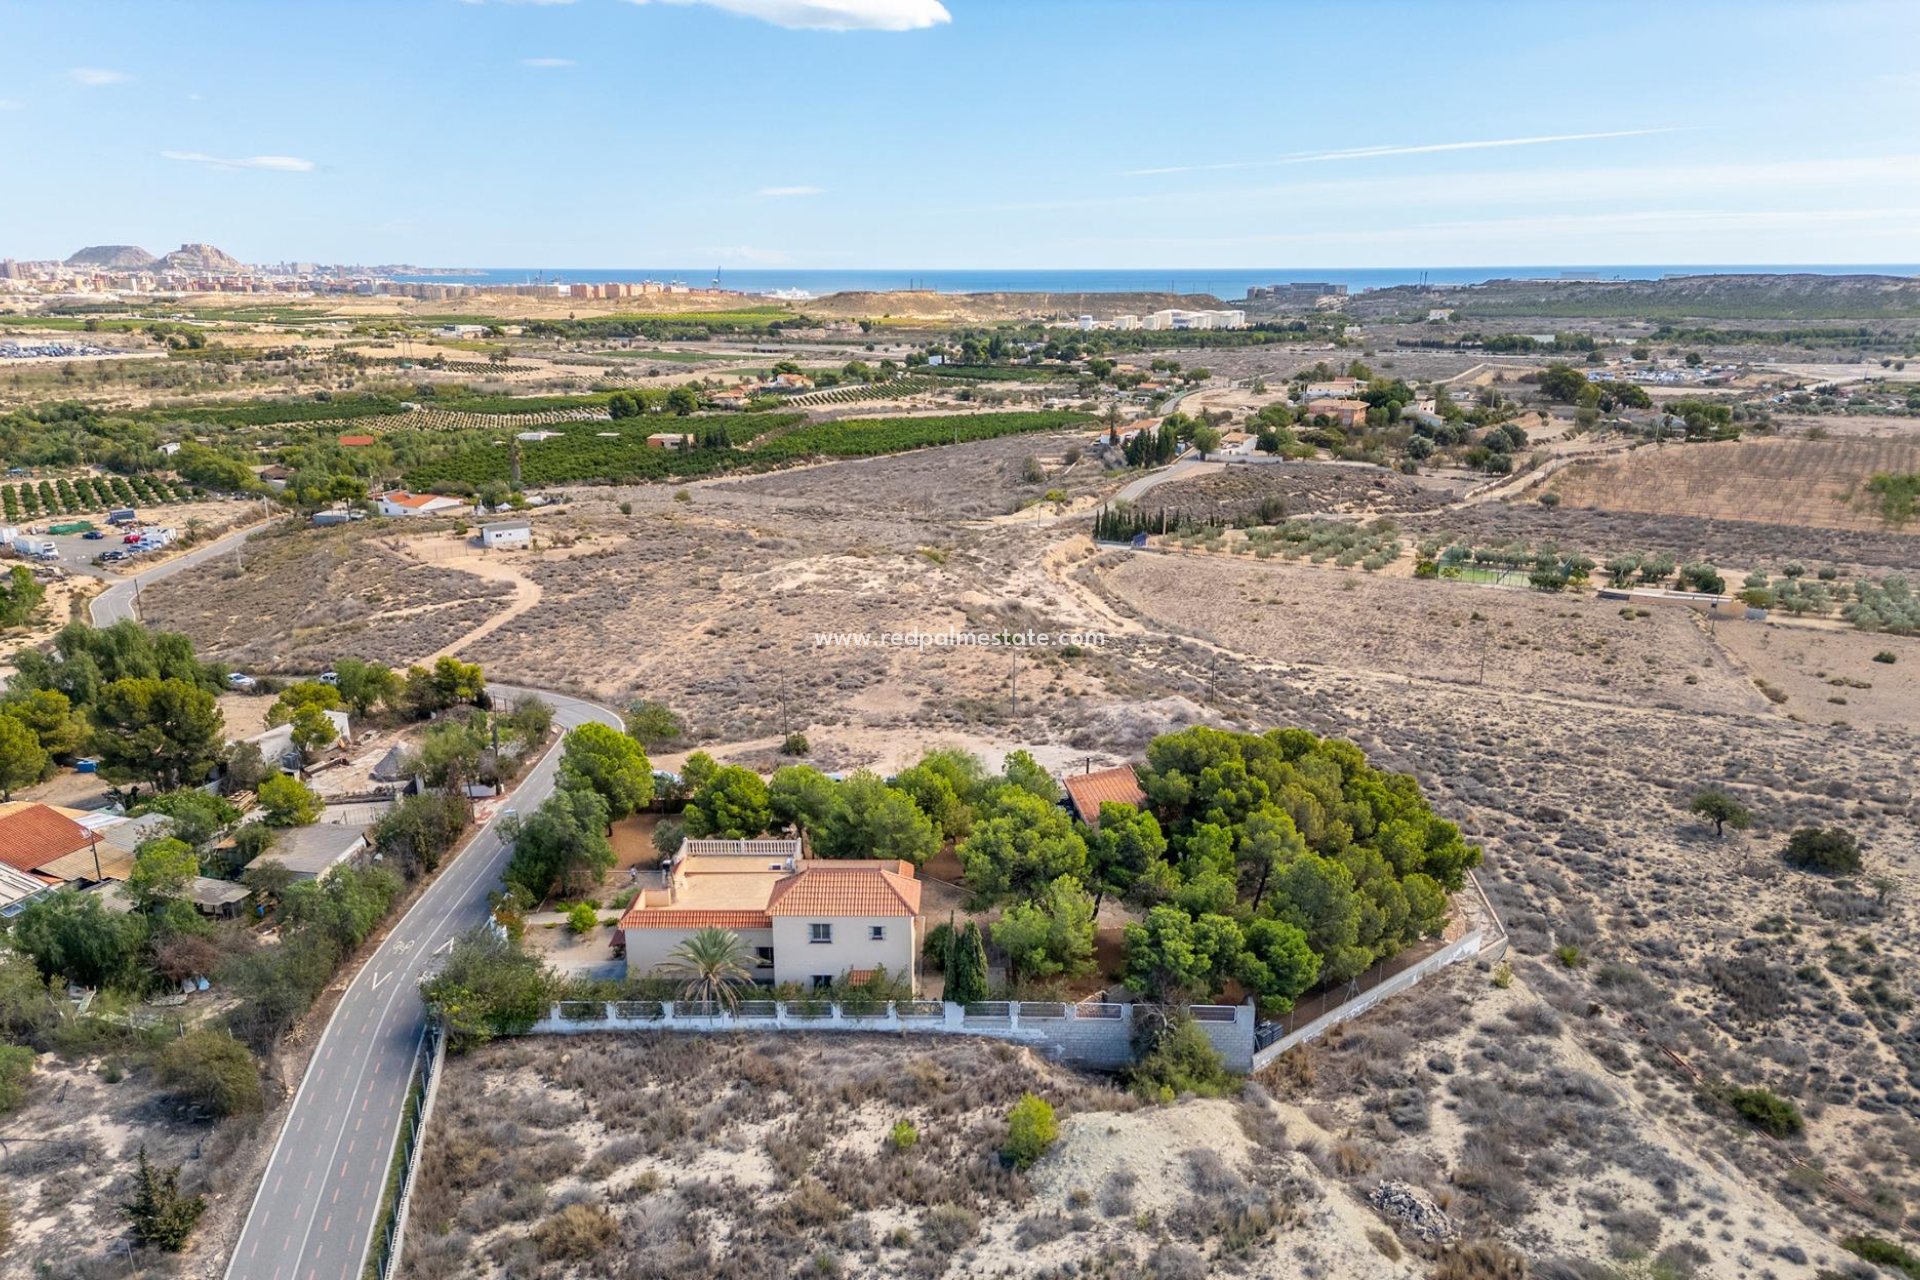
x: 1371, y: 153
x: 835, y: 15
x: 278, y: 164
x: 548, y: 63
x: 95, y: 77
x: 781, y: 192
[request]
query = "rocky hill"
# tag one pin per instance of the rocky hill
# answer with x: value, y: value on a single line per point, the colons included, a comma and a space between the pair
x: 201, y: 258
x: 117, y: 257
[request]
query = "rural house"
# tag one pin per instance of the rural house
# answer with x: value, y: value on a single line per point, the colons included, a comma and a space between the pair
x: 1086, y: 792
x: 511, y: 535
x: 311, y: 853
x: 806, y: 921
x: 52, y: 846
x: 401, y: 503
x: 1345, y: 412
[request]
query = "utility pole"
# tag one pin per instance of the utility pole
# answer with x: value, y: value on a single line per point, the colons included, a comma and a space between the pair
x: 1013, y: 684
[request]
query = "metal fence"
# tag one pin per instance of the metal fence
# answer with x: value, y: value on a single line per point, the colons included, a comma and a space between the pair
x: 390, y: 1230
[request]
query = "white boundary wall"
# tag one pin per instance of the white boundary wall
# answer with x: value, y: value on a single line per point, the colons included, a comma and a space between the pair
x: 1096, y: 1035
x: 1466, y: 948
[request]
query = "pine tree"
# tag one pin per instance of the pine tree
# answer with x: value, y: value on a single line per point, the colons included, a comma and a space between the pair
x: 160, y: 1215
x: 967, y: 966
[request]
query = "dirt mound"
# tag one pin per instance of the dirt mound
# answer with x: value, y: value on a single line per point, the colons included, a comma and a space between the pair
x: 1128, y: 729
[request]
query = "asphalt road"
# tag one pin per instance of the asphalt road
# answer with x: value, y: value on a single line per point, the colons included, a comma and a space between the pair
x: 121, y: 600
x: 312, y: 1218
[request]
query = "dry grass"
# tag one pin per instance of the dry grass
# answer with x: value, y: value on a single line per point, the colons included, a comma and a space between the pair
x: 1797, y: 482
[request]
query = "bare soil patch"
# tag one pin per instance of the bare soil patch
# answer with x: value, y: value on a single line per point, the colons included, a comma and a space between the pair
x: 1804, y: 483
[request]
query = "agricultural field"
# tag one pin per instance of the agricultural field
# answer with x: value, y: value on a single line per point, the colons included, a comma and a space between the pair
x: 894, y: 389
x: 1294, y: 488
x: 87, y: 495
x: 619, y: 452
x: 1819, y: 484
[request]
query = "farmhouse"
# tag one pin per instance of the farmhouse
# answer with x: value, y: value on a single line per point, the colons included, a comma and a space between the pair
x: 401, y: 503
x: 54, y: 847
x: 506, y: 534
x: 1345, y: 412
x: 311, y: 853
x: 1332, y: 389
x: 806, y: 921
x: 670, y: 440
x: 276, y: 744
x: 355, y: 442
x: 788, y: 382
x: 1086, y: 792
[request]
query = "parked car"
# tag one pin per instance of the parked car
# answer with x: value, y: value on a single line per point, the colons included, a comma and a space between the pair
x: 329, y: 676
x: 240, y: 681
x: 133, y: 537
x: 93, y: 535
x: 111, y: 557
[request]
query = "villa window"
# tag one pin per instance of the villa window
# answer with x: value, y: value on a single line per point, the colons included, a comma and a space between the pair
x: 763, y: 956
x: 823, y: 982
x: 819, y: 933
x: 877, y: 933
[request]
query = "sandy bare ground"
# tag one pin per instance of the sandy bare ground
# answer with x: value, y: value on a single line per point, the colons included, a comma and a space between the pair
x: 1565, y: 737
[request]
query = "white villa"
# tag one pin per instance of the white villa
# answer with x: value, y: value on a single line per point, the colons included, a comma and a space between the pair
x: 809, y: 921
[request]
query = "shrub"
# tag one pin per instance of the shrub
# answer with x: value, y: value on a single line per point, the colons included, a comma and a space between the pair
x: 1031, y: 1129
x: 159, y: 1214
x: 582, y: 918
x: 1883, y: 1253
x: 1828, y: 849
x: 795, y: 745
x: 1569, y: 955
x: 212, y: 1070
x: 16, y: 1066
x: 577, y: 1233
x: 1181, y: 1060
x: 949, y: 1226
x: 1886, y: 656
x: 1503, y: 975
x: 903, y: 1135
x: 1766, y: 1111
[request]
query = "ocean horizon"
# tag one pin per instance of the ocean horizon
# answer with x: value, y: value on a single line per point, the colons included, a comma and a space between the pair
x: 1224, y: 282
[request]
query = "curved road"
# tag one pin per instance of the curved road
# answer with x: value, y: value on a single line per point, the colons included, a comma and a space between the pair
x: 312, y: 1218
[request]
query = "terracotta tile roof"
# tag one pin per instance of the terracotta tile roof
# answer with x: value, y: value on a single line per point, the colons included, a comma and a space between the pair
x: 356, y: 442
x: 1088, y: 791
x: 33, y: 835
x: 693, y: 918
x: 847, y: 889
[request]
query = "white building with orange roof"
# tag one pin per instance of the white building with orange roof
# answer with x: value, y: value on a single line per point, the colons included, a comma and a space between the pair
x: 401, y: 503
x: 811, y: 922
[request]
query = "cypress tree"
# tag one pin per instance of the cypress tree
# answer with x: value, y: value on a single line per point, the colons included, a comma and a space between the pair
x: 160, y: 1215
x: 967, y: 966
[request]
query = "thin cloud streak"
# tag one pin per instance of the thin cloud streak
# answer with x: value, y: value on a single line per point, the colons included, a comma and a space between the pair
x: 834, y: 15
x: 97, y: 77
x: 1371, y: 153
x: 781, y: 193
x: 276, y: 164
x: 548, y: 64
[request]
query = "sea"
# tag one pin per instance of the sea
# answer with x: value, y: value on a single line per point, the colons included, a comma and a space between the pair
x: 1224, y: 282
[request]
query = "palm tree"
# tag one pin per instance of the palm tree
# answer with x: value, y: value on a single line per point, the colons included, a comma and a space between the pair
x: 713, y: 962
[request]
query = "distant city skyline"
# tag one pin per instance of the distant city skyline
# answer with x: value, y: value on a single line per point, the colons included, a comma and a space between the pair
x: 940, y: 135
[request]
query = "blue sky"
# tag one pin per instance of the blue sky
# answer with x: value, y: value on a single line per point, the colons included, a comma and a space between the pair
x: 964, y: 133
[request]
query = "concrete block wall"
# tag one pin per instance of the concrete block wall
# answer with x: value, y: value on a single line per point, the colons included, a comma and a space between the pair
x: 1099, y: 1036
